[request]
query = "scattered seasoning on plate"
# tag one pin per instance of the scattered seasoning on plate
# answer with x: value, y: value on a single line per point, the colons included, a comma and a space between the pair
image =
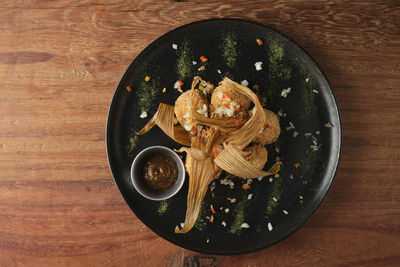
x: 249, y: 196
x: 208, y: 240
x: 174, y: 46
x: 297, y: 165
x: 229, y: 51
x: 291, y: 176
x: 301, y: 197
x: 295, y: 133
x: 315, y: 91
x: 219, y: 71
x: 307, y: 80
x: 270, y: 228
x: 226, y: 210
x: 164, y: 90
x: 223, y: 223
x: 147, y: 78
x: 277, y: 175
x: 285, y: 212
x: 260, y: 178
x: 271, y: 179
x: 307, y: 135
x: 163, y: 207
x: 305, y: 182
x: 201, y: 68
x: 317, y: 132
x: 194, y: 62
x: 259, y: 42
x: 275, y: 199
x: 129, y: 89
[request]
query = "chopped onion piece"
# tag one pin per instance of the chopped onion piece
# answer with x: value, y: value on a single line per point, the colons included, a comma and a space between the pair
x: 245, y: 225
x: 258, y: 65
x: 143, y: 114
x: 286, y: 91
x: 244, y: 82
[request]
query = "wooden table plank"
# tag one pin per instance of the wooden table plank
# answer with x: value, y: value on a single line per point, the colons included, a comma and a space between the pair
x: 59, y: 64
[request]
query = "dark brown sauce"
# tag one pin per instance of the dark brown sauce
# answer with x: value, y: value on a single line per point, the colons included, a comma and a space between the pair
x: 160, y: 172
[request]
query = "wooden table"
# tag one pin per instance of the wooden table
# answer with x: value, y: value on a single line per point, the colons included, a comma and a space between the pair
x: 59, y: 65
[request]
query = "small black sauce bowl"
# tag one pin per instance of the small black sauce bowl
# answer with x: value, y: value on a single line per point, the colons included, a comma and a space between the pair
x: 138, y: 179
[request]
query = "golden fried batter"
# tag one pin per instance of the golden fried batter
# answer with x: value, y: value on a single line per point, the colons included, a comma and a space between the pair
x: 256, y: 154
x: 185, y: 102
x: 271, y: 129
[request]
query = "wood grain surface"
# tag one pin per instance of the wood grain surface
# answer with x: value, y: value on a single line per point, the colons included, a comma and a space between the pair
x: 60, y: 62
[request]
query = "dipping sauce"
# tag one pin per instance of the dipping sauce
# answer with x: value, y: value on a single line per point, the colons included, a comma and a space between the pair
x: 160, y: 172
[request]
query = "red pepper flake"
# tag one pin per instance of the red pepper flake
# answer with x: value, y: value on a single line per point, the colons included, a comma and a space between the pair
x: 129, y: 89
x: 216, y: 168
x: 226, y: 105
x: 203, y: 59
x: 284, y: 115
x: 212, y: 219
x: 193, y: 129
x: 246, y: 186
x: 212, y: 188
x: 212, y: 209
x: 180, y: 83
x: 228, y: 198
x: 216, y: 153
x: 259, y: 42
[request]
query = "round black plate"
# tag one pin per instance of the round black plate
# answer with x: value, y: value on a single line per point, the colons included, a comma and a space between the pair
x: 310, y: 159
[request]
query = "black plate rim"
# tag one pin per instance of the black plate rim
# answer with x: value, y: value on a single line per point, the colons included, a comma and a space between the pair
x: 337, y: 111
